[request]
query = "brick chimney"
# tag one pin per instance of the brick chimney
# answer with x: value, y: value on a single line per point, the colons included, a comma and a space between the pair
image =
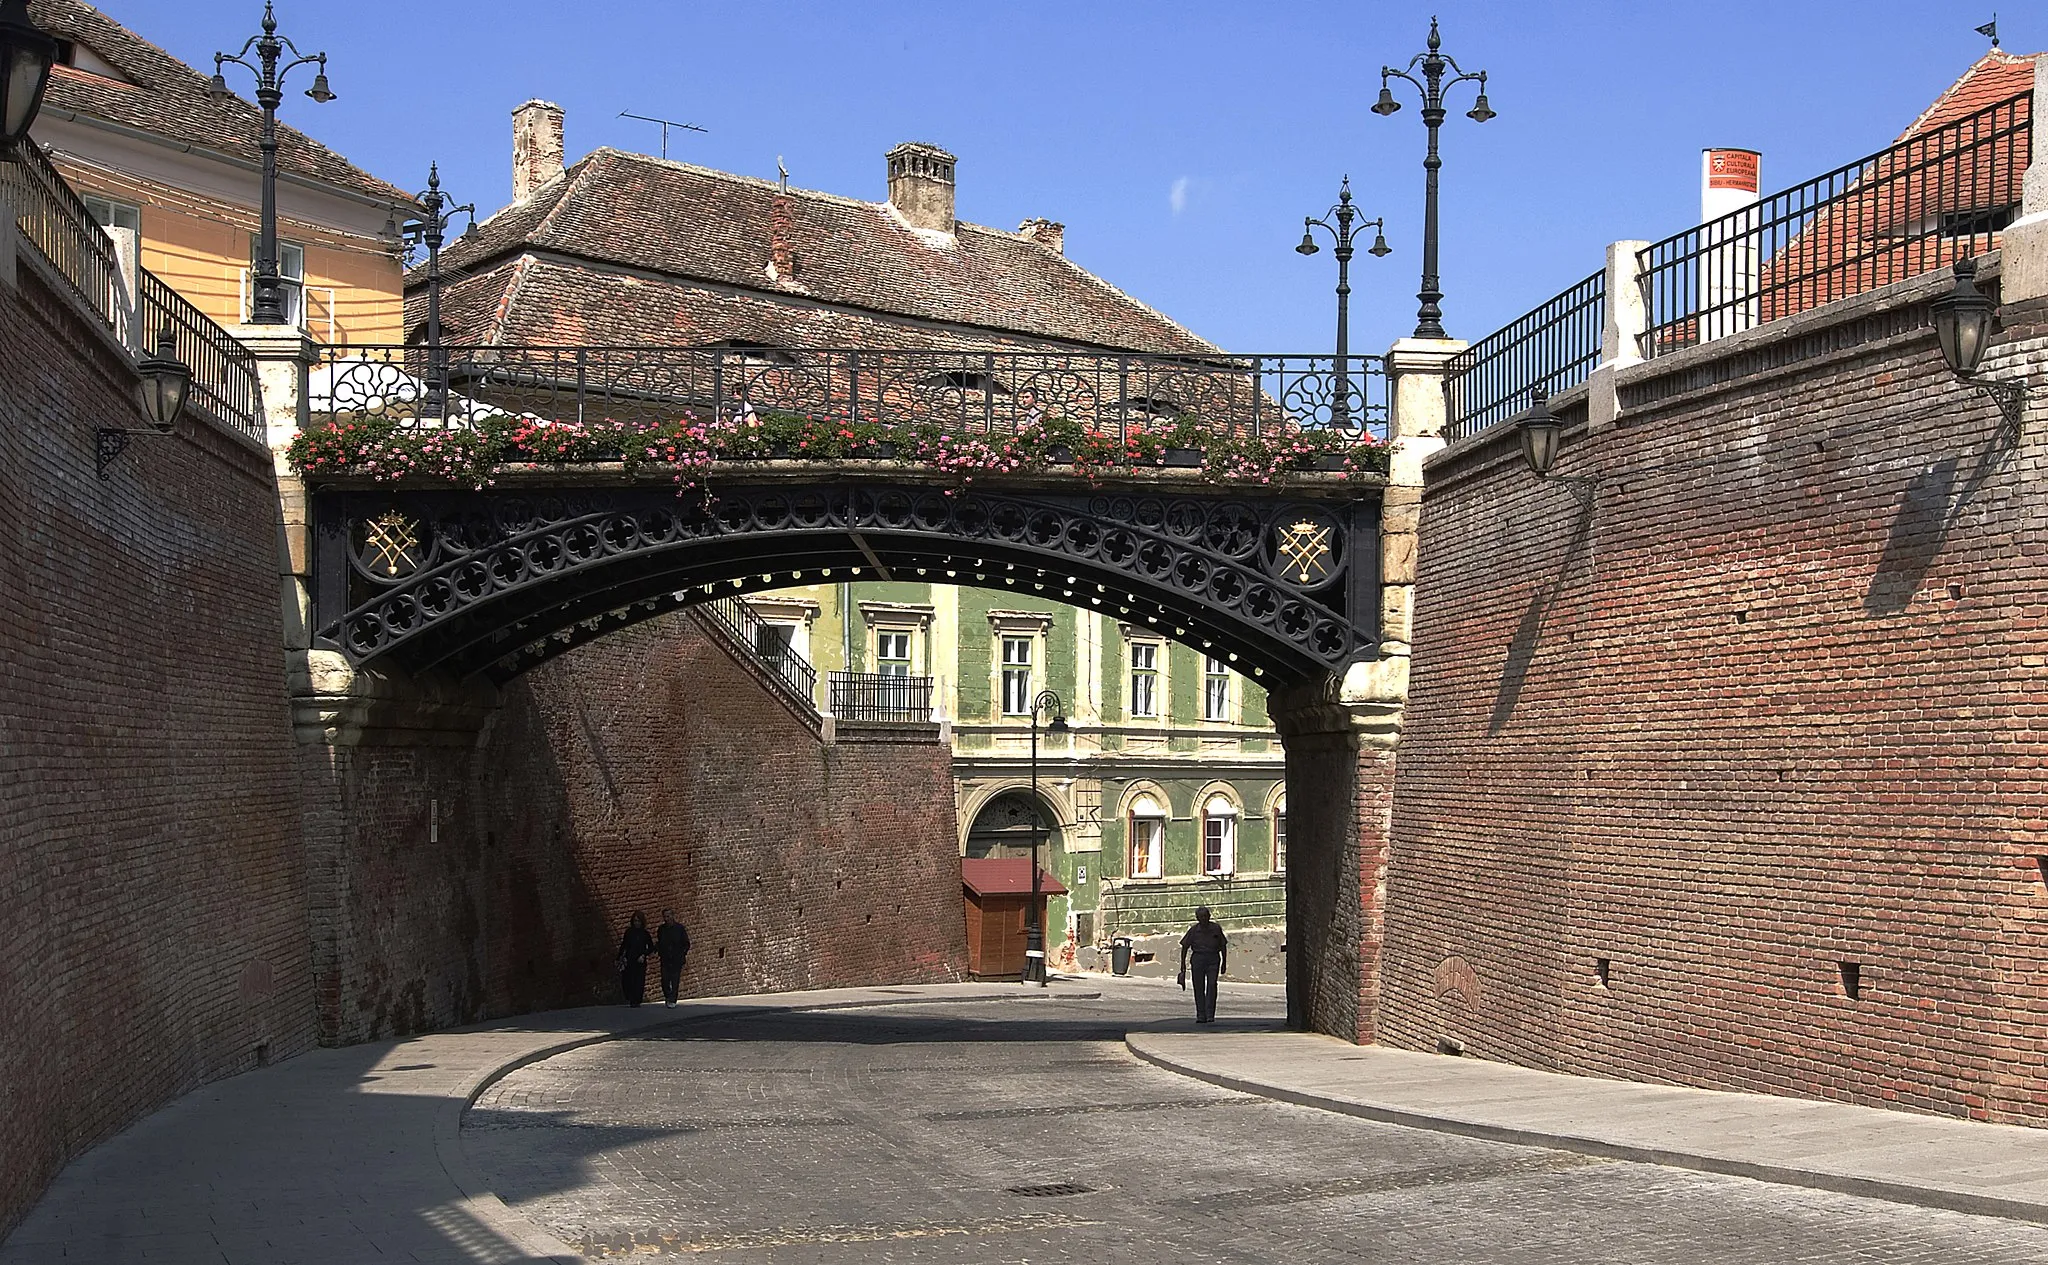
x: 536, y: 147
x: 921, y: 185
x: 781, y: 240
x: 1050, y: 234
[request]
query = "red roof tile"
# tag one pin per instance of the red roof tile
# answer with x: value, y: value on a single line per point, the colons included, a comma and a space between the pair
x: 1006, y: 876
x: 1996, y: 76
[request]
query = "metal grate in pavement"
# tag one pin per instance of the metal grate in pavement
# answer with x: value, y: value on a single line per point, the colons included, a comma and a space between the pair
x: 1049, y: 1189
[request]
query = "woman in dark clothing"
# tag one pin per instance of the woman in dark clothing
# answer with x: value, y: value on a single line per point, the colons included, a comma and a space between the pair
x: 633, y: 951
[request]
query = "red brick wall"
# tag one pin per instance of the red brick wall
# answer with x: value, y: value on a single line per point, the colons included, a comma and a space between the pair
x: 151, y: 893
x: 1772, y: 701
x: 646, y: 769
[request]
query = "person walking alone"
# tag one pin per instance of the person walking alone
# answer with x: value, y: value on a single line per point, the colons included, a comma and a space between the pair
x: 633, y: 951
x: 1209, y: 949
x: 672, y: 941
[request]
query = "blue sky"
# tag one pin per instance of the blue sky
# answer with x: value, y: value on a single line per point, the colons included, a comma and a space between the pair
x: 1181, y: 143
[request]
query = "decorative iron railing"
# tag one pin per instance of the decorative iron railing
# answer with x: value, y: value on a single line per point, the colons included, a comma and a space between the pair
x: 1903, y: 211
x: 224, y: 378
x: 987, y: 392
x: 878, y: 696
x: 1554, y: 346
x: 769, y: 644
x: 52, y: 216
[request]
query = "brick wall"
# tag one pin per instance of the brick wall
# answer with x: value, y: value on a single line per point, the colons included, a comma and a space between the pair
x: 1766, y: 702
x: 646, y: 769
x: 151, y: 894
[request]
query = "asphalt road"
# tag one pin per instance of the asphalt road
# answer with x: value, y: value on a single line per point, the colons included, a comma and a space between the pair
x: 1022, y: 1131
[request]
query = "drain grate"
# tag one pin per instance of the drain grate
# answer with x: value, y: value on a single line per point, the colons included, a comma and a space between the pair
x: 1050, y: 1189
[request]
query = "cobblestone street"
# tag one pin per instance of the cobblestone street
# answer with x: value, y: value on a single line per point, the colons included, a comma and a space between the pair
x: 920, y: 1133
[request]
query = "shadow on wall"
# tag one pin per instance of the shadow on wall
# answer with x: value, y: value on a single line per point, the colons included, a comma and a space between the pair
x: 1928, y: 511
x: 1528, y: 633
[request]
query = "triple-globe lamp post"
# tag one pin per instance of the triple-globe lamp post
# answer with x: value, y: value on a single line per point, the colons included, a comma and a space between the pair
x: 1346, y: 217
x: 270, y: 48
x: 1034, y: 931
x: 1429, y: 318
x: 437, y: 212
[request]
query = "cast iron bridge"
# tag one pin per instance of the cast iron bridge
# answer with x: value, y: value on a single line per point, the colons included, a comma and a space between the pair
x: 610, y: 485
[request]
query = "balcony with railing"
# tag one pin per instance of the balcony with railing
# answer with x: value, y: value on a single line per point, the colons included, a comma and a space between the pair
x: 878, y: 696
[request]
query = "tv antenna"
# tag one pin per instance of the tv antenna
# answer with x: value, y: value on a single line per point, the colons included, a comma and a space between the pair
x: 666, y: 124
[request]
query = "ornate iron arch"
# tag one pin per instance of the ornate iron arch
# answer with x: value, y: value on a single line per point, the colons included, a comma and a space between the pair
x: 497, y: 581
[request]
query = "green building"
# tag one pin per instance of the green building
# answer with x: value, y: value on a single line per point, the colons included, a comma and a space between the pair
x: 1164, y: 792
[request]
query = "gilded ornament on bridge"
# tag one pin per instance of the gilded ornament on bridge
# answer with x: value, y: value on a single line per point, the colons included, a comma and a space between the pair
x: 1305, y: 547
x: 390, y: 546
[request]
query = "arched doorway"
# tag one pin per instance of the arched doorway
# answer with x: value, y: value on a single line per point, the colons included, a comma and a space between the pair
x: 1003, y: 827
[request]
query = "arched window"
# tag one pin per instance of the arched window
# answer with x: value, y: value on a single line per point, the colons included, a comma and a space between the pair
x: 1280, y: 832
x: 1219, y: 836
x: 1148, y: 838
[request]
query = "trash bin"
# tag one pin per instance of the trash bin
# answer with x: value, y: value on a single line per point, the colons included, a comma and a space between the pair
x: 1120, y: 955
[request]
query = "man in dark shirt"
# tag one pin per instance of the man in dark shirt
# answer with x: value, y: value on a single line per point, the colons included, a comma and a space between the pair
x: 673, y: 943
x: 1209, y: 948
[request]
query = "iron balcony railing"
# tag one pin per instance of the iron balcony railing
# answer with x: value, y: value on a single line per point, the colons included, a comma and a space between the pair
x: 1907, y: 210
x: 53, y: 218
x: 769, y: 644
x: 986, y: 392
x: 878, y: 696
x: 1554, y: 346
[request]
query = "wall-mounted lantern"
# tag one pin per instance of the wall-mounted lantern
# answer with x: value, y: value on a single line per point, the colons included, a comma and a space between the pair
x: 26, y: 55
x: 1964, y: 319
x: 166, y: 383
x: 1540, y: 433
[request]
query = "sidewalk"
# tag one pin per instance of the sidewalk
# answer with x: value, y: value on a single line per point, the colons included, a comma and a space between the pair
x: 1999, y: 1170
x: 349, y: 1156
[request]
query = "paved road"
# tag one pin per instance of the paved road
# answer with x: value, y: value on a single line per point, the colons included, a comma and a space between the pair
x: 912, y: 1134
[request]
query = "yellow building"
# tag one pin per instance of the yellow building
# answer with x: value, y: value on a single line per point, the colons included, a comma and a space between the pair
x: 133, y: 130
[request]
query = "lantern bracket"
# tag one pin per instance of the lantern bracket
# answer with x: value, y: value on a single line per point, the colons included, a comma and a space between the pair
x: 2009, y: 394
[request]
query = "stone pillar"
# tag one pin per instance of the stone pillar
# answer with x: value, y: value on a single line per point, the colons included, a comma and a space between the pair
x: 127, y: 280
x: 284, y: 358
x: 2023, y: 263
x: 1627, y: 320
x: 1420, y: 411
x: 1340, y: 794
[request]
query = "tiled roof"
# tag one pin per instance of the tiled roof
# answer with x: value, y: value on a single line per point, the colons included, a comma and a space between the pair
x: 1996, y: 76
x: 991, y: 876
x: 627, y: 248
x: 168, y: 98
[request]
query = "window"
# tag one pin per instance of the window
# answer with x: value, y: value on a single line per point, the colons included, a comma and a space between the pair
x: 1280, y: 834
x: 291, y: 272
x: 892, y: 652
x: 1215, y: 689
x: 108, y: 213
x: 1017, y: 676
x: 774, y: 641
x: 1144, y: 678
x: 1219, y: 836
x: 1148, y: 838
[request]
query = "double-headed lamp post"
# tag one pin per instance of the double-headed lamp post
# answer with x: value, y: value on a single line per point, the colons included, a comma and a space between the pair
x: 437, y: 212
x: 270, y: 47
x: 1034, y: 931
x: 1346, y: 216
x: 1429, y: 318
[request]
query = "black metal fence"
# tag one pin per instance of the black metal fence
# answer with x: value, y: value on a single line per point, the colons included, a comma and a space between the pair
x: 877, y: 696
x: 1554, y: 346
x: 768, y: 643
x: 1907, y: 210
x: 985, y: 392
x: 53, y: 218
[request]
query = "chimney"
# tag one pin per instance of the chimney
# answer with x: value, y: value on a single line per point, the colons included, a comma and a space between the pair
x: 921, y: 185
x: 1050, y: 234
x: 536, y: 146
x: 781, y: 240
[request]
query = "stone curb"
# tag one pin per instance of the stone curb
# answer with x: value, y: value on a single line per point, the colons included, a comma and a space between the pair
x: 481, y: 1202
x: 1777, y: 1174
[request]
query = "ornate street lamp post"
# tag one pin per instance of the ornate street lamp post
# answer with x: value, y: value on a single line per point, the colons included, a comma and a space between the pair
x: 437, y: 212
x: 1429, y: 319
x: 1345, y: 214
x: 1034, y: 933
x: 268, y: 308
x: 26, y: 55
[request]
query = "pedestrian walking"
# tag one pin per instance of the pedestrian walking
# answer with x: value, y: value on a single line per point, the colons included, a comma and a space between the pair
x: 1208, y: 949
x: 633, y: 951
x: 672, y: 941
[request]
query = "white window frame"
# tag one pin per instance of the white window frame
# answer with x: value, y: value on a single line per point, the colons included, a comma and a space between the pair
x: 1018, y: 674
x: 1153, y: 827
x: 1219, y: 695
x: 117, y: 212
x: 294, y: 284
x: 902, y: 665
x: 1279, y: 816
x: 1144, y: 658
x: 1221, y: 822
